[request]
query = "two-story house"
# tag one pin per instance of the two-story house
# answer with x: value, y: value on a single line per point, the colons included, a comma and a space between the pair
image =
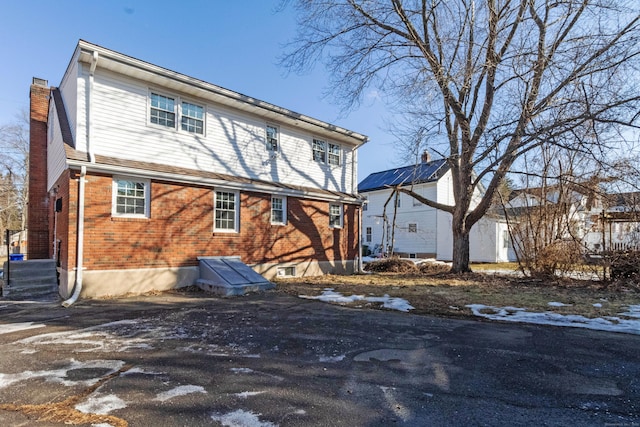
x: 137, y: 170
x: 421, y: 231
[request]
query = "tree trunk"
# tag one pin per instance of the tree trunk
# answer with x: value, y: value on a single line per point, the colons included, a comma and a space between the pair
x: 460, y: 249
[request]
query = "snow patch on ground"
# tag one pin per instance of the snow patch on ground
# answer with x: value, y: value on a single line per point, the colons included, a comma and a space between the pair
x: 246, y: 394
x: 241, y: 370
x: 15, y: 327
x: 60, y: 375
x: 516, y: 314
x: 329, y: 295
x: 558, y: 304
x: 339, y: 358
x: 241, y: 418
x: 101, y: 404
x: 182, y: 390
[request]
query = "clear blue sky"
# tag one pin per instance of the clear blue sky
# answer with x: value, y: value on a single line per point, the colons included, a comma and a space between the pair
x: 231, y: 43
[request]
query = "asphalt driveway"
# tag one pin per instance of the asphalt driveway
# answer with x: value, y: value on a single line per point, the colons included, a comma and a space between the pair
x: 270, y: 359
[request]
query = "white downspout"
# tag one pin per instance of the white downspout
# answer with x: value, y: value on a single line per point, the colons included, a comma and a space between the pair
x: 92, y: 71
x: 77, y: 287
x: 354, y: 190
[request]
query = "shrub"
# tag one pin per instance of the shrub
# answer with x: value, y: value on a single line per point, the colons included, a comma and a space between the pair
x: 391, y: 265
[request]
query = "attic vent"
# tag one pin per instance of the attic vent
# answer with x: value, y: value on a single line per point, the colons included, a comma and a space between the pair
x: 40, y: 82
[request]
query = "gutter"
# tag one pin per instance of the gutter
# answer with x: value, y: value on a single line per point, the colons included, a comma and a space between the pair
x: 185, y: 179
x: 77, y: 287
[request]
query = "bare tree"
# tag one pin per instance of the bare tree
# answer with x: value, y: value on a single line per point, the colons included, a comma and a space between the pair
x: 14, y: 144
x: 484, y: 81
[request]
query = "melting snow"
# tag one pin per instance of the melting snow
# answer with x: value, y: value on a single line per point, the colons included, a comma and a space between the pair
x: 329, y: 295
x: 557, y: 304
x: 246, y: 394
x: 101, y: 404
x: 516, y: 314
x: 339, y: 358
x: 241, y: 418
x: 180, y: 391
x: 15, y: 327
x: 60, y: 375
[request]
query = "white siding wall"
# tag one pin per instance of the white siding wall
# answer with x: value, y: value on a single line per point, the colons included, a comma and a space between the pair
x: 233, y: 143
x: 69, y: 90
x: 56, y: 159
x: 423, y: 240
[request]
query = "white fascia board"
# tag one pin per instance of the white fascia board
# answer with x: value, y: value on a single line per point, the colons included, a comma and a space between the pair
x: 150, y: 73
x: 207, y: 182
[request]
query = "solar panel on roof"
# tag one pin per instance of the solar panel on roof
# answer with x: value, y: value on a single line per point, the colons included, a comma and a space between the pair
x: 415, y: 174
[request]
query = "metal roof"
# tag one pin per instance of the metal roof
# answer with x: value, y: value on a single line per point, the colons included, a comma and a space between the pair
x: 414, y: 174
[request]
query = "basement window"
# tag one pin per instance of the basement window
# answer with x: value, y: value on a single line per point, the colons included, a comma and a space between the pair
x: 286, y: 272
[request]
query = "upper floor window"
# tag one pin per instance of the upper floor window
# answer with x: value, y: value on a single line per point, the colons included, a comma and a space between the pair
x: 319, y: 151
x: 278, y: 210
x: 192, y: 118
x: 333, y: 157
x: 130, y: 197
x: 335, y: 216
x: 365, y: 204
x: 273, y: 137
x: 163, y: 110
x: 368, y: 234
x: 226, y: 211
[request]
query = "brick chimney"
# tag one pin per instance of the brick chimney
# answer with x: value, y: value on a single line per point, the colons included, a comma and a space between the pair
x: 38, y: 208
x: 426, y: 157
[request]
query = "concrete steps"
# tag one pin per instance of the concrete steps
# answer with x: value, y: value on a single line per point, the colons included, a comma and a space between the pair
x: 33, y: 279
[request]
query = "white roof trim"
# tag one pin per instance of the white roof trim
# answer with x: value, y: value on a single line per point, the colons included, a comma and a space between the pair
x: 119, y: 62
x: 207, y: 182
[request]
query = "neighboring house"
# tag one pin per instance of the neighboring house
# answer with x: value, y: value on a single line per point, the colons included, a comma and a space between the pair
x: 617, y: 225
x: 137, y: 170
x: 422, y: 231
x: 578, y: 211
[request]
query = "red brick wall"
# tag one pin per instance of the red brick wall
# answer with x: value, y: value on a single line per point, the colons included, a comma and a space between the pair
x: 37, y: 212
x: 63, y: 220
x: 181, y: 228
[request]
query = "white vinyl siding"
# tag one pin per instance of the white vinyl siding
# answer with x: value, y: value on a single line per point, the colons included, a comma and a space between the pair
x: 56, y: 157
x: 233, y: 141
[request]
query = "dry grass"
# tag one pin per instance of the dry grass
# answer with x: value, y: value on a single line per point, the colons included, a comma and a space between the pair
x: 444, y: 294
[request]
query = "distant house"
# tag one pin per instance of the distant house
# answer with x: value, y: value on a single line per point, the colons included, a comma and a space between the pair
x: 422, y: 231
x: 137, y: 170
x: 617, y: 225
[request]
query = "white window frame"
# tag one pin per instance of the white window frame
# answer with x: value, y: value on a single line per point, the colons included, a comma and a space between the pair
x: 178, y: 113
x: 201, y: 120
x: 368, y: 234
x: 283, y: 199
x: 270, y: 140
x: 412, y: 227
x: 316, y: 152
x: 150, y: 108
x: 334, y: 154
x: 236, y: 211
x: 286, y: 271
x: 146, y: 197
x: 332, y: 224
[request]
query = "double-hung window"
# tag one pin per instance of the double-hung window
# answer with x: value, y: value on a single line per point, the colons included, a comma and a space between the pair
x: 192, y: 118
x: 130, y: 197
x: 319, y: 151
x: 226, y: 211
x: 273, y: 137
x: 163, y: 110
x: 333, y: 155
x: 368, y: 234
x: 335, y: 216
x: 413, y: 228
x: 278, y: 210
